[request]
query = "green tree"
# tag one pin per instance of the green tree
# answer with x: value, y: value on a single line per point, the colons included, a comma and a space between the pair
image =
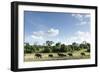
x: 58, y: 44
x: 88, y: 47
x: 75, y: 46
x: 63, y: 48
x: 49, y: 43
x: 46, y: 50
x: 55, y: 49
x: 84, y: 45
x: 69, y: 48
x: 27, y: 48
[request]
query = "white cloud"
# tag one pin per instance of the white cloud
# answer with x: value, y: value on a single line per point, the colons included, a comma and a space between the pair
x: 52, y: 32
x: 87, y: 16
x: 37, y: 37
x: 43, y: 34
x: 84, y: 36
x: 78, y: 16
x: 79, y: 36
x: 82, y: 19
x: 83, y: 23
x: 38, y: 33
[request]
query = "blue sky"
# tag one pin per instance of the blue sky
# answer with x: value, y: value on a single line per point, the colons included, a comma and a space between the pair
x: 56, y: 26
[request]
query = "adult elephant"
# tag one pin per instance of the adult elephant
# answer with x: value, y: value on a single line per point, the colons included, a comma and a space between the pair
x: 38, y: 55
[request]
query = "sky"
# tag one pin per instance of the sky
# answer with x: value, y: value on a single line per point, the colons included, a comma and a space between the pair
x: 56, y: 26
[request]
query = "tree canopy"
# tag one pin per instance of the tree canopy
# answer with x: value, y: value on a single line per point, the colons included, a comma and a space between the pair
x: 55, y: 47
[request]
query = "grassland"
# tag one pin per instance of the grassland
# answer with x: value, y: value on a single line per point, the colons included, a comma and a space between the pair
x: 45, y: 56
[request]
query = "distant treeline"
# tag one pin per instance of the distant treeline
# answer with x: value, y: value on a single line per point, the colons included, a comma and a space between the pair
x: 56, y: 48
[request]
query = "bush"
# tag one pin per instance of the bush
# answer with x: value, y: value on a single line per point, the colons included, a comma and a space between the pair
x: 63, y: 48
x: 55, y: 49
x: 46, y: 50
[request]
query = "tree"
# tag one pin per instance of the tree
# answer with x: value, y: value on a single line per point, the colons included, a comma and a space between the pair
x: 46, y: 50
x: 63, y: 48
x: 27, y: 48
x: 69, y: 48
x: 75, y: 46
x: 55, y: 49
x: 84, y: 45
x: 88, y: 47
x: 58, y: 44
x: 49, y: 43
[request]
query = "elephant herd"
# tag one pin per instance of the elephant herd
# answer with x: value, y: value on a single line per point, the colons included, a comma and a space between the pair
x: 38, y: 55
